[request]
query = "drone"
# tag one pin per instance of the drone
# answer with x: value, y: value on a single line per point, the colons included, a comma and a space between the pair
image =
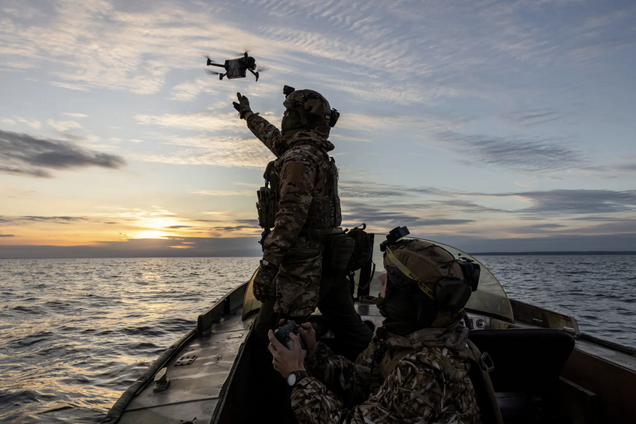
x: 235, y: 68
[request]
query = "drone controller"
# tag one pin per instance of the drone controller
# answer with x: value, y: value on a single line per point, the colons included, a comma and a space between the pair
x: 282, y: 335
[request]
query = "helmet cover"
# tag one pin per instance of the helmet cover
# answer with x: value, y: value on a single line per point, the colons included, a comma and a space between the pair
x: 413, y: 296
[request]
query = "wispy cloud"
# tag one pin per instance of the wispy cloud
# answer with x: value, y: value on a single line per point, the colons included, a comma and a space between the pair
x: 516, y: 153
x: 50, y: 219
x: 33, y: 123
x: 201, y: 121
x: 64, y: 126
x: 23, y: 154
x: 533, y: 117
x: 572, y: 202
x: 215, y: 150
x: 225, y: 192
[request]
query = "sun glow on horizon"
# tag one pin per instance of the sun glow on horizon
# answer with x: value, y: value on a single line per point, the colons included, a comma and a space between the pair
x: 151, y: 234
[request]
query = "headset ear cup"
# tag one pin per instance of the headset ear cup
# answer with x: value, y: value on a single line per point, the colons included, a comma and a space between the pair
x: 452, y: 294
x: 333, y: 118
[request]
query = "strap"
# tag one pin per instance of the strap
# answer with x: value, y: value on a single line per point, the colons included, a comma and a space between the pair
x: 391, y: 359
x: 479, y: 374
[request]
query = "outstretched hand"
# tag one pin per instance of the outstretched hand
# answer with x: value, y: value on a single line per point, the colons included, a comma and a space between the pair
x: 286, y: 360
x: 243, y: 106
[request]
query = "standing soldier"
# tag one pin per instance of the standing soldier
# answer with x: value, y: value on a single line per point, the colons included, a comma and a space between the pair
x: 300, y: 202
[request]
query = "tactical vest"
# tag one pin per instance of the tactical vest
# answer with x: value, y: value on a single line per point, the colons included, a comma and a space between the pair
x: 324, y: 211
x: 485, y: 392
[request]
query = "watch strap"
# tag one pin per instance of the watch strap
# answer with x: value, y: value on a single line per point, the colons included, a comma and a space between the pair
x: 299, y: 376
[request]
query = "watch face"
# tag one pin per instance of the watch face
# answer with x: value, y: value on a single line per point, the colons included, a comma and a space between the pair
x: 291, y: 379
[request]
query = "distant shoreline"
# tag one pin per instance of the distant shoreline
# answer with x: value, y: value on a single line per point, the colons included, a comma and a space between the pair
x: 539, y: 253
x: 564, y: 253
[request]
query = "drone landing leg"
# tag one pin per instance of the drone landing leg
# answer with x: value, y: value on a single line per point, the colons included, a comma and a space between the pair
x: 254, y: 73
x: 221, y: 76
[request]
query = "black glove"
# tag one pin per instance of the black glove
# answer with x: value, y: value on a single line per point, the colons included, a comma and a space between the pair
x: 243, y: 106
x: 264, y: 281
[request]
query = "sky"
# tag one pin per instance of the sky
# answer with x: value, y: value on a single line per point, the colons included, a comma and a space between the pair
x: 493, y: 126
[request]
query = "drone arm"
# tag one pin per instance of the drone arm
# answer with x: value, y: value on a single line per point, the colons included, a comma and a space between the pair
x: 215, y: 64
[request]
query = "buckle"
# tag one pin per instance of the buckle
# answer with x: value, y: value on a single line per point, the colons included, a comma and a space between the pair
x: 486, y: 363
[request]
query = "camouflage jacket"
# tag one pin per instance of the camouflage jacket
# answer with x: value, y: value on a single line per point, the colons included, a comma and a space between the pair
x: 302, y: 169
x: 429, y: 385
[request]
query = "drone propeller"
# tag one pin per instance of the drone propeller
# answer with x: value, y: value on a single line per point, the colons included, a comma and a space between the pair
x: 213, y: 72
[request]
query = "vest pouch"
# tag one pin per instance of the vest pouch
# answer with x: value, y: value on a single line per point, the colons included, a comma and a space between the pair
x: 340, y: 247
x: 363, y: 247
x: 266, y: 207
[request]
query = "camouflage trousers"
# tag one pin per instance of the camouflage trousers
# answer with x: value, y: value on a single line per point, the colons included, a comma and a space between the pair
x: 317, y: 286
x: 298, y: 281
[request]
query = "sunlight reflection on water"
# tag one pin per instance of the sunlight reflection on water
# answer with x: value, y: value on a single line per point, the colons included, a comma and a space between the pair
x: 75, y: 333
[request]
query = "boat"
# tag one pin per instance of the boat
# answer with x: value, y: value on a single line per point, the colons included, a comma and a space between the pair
x: 545, y: 369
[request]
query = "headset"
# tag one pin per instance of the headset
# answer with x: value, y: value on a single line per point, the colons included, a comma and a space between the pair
x: 448, y: 292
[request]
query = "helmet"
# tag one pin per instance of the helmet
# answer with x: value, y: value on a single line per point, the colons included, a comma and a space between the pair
x: 426, y: 285
x: 307, y: 109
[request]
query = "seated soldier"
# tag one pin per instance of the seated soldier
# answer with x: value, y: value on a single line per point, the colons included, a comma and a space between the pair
x: 416, y: 368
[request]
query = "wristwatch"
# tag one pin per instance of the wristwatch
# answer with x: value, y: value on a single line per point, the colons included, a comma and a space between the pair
x: 295, y: 376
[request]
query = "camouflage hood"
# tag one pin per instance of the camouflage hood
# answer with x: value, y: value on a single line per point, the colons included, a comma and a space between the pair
x: 453, y: 337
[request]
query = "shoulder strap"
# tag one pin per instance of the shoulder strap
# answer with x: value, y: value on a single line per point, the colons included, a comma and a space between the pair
x: 391, y: 359
x: 483, y: 385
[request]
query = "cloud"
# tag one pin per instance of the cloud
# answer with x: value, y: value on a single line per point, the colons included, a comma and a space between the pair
x: 22, y: 154
x: 530, y: 118
x: 33, y: 123
x: 51, y: 219
x: 188, y: 91
x: 214, y: 150
x: 240, y: 225
x: 64, y: 126
x: 382, y: 192
x: 383, y: 218
x: 76, y: 115
x: 225, y: 192
x: 573, y: 202
x: 516, y: 153
x: 201, y: 121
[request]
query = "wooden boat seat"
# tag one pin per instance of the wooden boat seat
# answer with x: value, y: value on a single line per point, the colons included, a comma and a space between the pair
x: 527, y: 366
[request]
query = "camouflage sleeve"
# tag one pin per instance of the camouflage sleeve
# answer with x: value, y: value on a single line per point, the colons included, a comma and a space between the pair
x: 345, y: 378
x: 313, y: 402
x: 296, y: 185
x: 413, y: 392
x: 266, y: 132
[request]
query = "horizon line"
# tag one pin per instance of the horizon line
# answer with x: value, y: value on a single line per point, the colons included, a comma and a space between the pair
x: 528, y: 253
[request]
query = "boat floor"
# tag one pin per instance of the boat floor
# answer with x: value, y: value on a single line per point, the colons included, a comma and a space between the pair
x: 196, y: 375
